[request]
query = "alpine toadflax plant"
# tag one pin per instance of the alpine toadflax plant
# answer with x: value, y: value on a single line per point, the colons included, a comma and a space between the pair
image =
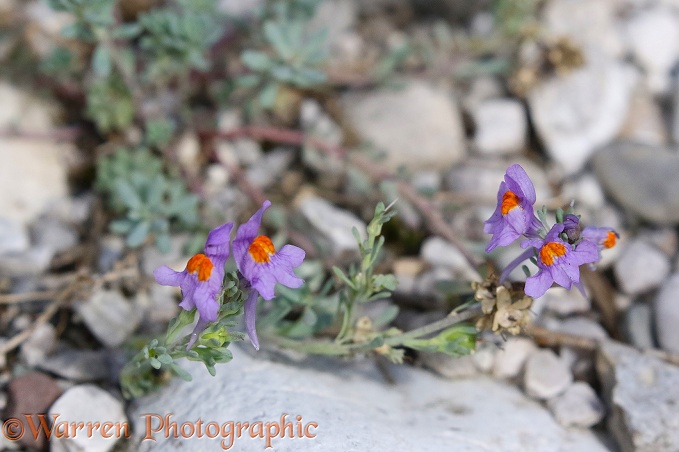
x: 558, y: 251
x: 260, y: 267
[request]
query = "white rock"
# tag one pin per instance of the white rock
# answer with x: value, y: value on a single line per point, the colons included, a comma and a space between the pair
x: 439, y: 252
x: 546, y: 376
x: 501, y: 127
x: 584, y: 327
x: 509, y: 360
x: 33, y: 262
x: 88, y: 404
x: 645, y: 122
x: 642, y: 393
x: 579, y: 406
x: 45, y: 27
x: 242, y: 9
x: 188, y: 152
x: 427, y: 181
x: 77, y: 365
x: 565, y: 302
x: 449, y: 367
x: 53, y: 234
x: 418, y: 126
x: 589, y: 23
x: 109, y: 316
x: 576, y: 113
x: 39, y: 344
x: 586, y: 191
x: 641, y: 267
x: 484, y: 357
x: 355, y: 409
x: 639, y: 325
x: 13, y: 236
x: 481, y: 89
x: 25, y: 112
x: 653, y: 37
x: 667, y: 315
x: 270, y: 168
x: 332, y: 223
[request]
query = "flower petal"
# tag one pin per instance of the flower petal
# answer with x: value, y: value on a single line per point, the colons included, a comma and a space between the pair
x: 205, y: 301
x: 217, y: 244
x: 250, y: 317
x: 245, y: 235
x: 537, y: 285
x: 165, y: 276
x: 517, y: 177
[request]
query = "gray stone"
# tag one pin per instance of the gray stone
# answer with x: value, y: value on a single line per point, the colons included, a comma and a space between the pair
x: 546, y: 376
x: 642, y: 393
x: 265, y: 172
x: 418, y: 126
x: 87, y: 404
x: 481, y: 89
x: 13, y: 236
x: 653, y: 37
x: 576, y: 113
x: 77, y: 365
x: 641, y: 267
x: 110, y: 251
x: 40, y: 343
x: 501, y: 127
x: 509, y: 360
x: 109, y: 316
x: 589, y: 23
x: 645, y: 122
x: 333, y: 224
x: 667, y: 315
x: 355, y: 409
x: 427, y: 181
x: 584, y: 327
x: 565, y: 302
x: 579, y: 406
x: 639, y: 323
x: 641, y: 178
x: 53, y: 234
x: 33, y: 262
x: 439, y: 252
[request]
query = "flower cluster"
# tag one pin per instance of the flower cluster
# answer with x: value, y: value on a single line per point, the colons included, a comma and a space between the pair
x: 259, y: 264
x: 558, y: 251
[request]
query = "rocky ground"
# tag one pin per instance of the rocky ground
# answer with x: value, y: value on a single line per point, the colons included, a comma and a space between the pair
x: 587, y: 101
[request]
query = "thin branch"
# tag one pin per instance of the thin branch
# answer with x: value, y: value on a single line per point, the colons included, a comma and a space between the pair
x: 59, y: 134
x: 16, y: 298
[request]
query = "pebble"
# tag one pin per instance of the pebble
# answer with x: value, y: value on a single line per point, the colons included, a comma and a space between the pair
x: 584, y: 327
x: 501, y: 127
x: 30, y: 393
x: 439, y: 252
x: 333, y: 224
x: 645, y: 122
x: 88, y: 404
x: 546, y: 376
x: 270, y: 168
x: 111, y: 249
x: 653, y: 37
x: 642, y: 393
x: 13, y: 236
x: 642, y: 179
x: 589, y: 23
x: 576, y: 113
x: 418, y: 126
x: 356, y: 410
x: 481, y: 89
x: 33, y: 262
x: 510, y: 359
x: 53, y: 234
x: 667, y: 315
x: 638, y: 324
x: 565, y: 302
x: 585, y: 191
x: 76, y: 365
x: 578, y: 406
x: 39, y: 345
x: 640, y: 267
x: 109, y: 316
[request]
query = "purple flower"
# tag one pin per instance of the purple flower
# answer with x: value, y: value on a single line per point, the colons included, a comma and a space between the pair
x: 202, y: 279
x: 604, y: 238
x: 513, y: 216
x: 571, y: 227
x: 262, y: 267
x: 558, y: 262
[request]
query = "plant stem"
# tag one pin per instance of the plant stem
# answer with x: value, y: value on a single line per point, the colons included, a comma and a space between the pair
x: 335, y: 349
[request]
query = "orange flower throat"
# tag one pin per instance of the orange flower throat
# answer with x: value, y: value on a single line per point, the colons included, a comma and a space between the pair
x: 509, y: 201
x: 261, y: 249
x: 610, y: 240
x: 202, y: 265
x: 551, y: 251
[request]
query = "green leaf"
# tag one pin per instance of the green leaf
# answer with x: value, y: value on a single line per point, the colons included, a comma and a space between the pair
x: 181, y: 373
x: 126, y: 31
x: 388, y: 282
x: 276, y: 36
x: 163, y: 242
x: 256, y: 61
x: 138, y: 234
x: 340, y: 274
x: 101, y: 61
x: 267, y: 97
x: 127, y: 194
x: 155, y: 363
x: 120, y: 226
x: 165, y: 359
